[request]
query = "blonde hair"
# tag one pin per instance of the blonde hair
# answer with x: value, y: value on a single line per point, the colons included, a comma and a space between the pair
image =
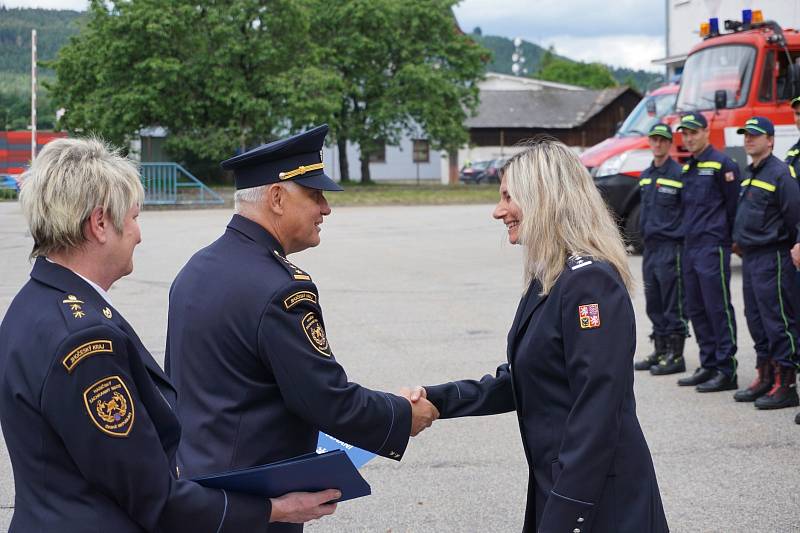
x: 563, y: 214
x: 66, y: 182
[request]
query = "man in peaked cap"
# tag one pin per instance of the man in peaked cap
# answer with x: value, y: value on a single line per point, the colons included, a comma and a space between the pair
x: 764, y: 232
x: 661, y: 225
x: 246, y: 344
x: 710, y: 190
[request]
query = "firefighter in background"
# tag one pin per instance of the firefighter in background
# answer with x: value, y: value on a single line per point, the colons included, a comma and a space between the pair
x: 660, y: 186
x: 793, y: 160
x: 793, y: 155
x: 710, y: 193
x: 763, y: 234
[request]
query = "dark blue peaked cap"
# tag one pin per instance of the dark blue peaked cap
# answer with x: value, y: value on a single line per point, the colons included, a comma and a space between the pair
x: 297, y: 158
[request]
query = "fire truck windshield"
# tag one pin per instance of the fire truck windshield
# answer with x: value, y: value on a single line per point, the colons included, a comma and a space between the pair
x: 640, y: 121
x: 728, y: 68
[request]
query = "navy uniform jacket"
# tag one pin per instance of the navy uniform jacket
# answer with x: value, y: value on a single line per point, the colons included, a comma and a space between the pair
x: 87, y: 418
x: 769, y: 208
x: 793, y: 160
x: 247, y: 350
x: 569, y: 376
x: 710, y: 194
x: 661, y: 214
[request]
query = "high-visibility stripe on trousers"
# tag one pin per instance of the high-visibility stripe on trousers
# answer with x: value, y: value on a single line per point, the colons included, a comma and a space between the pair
x: 707, y: 279
x: 771, y: 305
x: 663, y: 288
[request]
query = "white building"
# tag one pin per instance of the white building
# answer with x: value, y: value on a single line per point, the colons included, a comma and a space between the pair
x: 685, y: 16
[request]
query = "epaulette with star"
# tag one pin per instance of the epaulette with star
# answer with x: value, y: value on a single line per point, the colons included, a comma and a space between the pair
x: 296, y: 273
x: 79, y: 315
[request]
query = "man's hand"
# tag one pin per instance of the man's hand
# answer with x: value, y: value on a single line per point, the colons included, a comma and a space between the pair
x: 413, y: 395
x: 735, y: 248
x: 796, y: 255
x: 423, y: 412
x: 300, y: 507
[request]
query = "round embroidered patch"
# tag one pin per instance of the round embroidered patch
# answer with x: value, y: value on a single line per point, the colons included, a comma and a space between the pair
x: 110, y: 406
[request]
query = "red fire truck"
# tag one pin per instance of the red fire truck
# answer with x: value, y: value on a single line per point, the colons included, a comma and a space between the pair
x: 749, y: 68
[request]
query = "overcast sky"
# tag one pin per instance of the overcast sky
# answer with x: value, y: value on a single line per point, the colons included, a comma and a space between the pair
x: 626, y: 33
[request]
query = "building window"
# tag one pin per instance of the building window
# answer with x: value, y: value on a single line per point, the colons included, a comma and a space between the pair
x: 422, y: 151
x: 378, y: 155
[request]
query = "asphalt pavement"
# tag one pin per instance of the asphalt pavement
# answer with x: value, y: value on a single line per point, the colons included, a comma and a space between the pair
x: 423, y: 295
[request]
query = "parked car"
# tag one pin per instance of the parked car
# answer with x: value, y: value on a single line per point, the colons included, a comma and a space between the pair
x: 483, y: 171
x: 474, y: 172
x: 492, y: 174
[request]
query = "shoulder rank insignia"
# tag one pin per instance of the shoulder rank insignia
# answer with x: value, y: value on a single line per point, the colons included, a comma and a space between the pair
x: 83, y: 351
x: 110, y: 406
x: 576, y: 261
x: 589, y: 316
x: 316, y: 334
x: 301, y: 296
x: 74, y: 306
x: 296, y: 273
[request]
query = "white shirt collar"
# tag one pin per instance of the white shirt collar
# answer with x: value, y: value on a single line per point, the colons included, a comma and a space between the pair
x: 94, y: 285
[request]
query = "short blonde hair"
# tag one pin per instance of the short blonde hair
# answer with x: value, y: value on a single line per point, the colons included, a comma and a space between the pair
x: 66, y: 182
x: 563, y: 213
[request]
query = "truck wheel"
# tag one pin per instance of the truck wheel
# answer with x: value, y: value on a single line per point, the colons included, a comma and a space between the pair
x: 632, y: 235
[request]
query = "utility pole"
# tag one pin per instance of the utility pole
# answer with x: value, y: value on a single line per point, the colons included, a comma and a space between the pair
x: 33, y: 95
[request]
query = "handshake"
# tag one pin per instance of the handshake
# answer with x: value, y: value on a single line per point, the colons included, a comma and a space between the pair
x: 423, y: 412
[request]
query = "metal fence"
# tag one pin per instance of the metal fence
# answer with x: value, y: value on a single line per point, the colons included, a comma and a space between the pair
x: 170, y: 183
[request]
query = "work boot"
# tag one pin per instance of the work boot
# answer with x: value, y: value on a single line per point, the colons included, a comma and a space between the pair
x: 783, y: 392
x: 760, y: 386
x: 718, y: 382
x: 659, y: 352
x: 672, y: 362
x: 701, y: 375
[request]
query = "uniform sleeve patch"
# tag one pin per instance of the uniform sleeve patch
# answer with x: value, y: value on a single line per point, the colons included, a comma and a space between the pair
x: 110, y: 406
x: 589, y: 316
x: 316, y: 334
x: 730, y: 176
x: 301, y: 296
x: 85, y: 350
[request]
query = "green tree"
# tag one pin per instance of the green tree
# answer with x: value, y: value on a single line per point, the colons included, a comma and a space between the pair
x: 589, y: 75
x: 219, y: 76
x: 405, y: 67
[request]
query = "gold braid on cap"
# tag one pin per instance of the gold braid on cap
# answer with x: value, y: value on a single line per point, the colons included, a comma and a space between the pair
x: 299, y: 171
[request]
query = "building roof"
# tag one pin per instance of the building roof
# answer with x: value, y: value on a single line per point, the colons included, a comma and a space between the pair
x: 551, y: 108
x: 494, y: 81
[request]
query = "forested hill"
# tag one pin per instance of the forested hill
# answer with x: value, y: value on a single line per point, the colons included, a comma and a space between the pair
x: 54, y: 28
x: 502, y: 48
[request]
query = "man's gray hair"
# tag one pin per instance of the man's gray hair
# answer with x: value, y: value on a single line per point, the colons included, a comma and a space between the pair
x: 246, y: 197
x: 66, y: 182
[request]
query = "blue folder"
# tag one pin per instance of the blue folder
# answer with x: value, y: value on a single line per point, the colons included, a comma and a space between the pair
x: 307, y: 473
x: 359, y: 457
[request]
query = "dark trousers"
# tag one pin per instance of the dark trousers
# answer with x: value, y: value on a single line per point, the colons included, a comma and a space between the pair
x: 770, y: 305
x: 663, y: 288
x: 707, y: 279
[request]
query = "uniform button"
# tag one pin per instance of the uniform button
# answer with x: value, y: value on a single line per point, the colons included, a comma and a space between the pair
x: 580, y: 519
x: 576, y: 530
